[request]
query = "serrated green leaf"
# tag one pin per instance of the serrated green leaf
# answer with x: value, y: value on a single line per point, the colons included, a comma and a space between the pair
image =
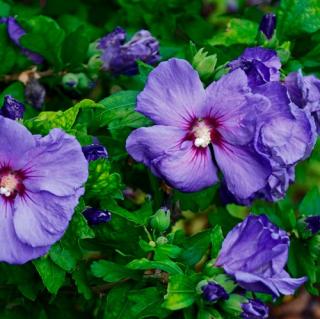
x: 310, y: 205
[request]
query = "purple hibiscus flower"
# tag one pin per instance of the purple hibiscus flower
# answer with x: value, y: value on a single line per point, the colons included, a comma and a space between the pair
x: 261, y: 65
x: 227, y: 116
x: 304, y: 91
x: 121, y: 58
x: 41, y: 180
x: 255, y: 253
x: 15, y: 32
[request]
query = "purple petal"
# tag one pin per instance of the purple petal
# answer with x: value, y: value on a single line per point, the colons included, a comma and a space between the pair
x: 40, y: 219
x: 163, y: 149
x: 56, y: 165
x: 173, y: 94
x: 15, y: 140
x: 287, y: 285
x: 244, y: 170
x: 12, y: 250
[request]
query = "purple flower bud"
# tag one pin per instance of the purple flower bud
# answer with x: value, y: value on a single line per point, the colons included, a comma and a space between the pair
x: 313, y: 223
x: 268, y: 24
x: 121, y: 58
x: 213, y: 292
x: 96, y: 217
x: 15, y: 32
x: 93, y: 152
x: 35, y: 93
x: 12, y: 108
x: 254, y: 309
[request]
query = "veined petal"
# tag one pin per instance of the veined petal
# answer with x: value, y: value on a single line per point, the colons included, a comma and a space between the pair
x: 173, y: 94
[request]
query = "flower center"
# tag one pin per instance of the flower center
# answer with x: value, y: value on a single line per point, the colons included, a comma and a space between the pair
x: 11, y: 182
x: 202, y: 134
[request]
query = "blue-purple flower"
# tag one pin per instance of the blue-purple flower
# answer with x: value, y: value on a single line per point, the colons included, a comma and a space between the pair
x: 268, y: 25
x: 93, y: 152
x: 96, y: 216
x: 213, y: 292
x: 41, y: 180
x: 121, y: 58
x: 255, y: 253
x: 239, y: 123
x: 261, y: 65
x: 254, y: 309
x: 15, y: 32
x: 12, y: 108
x: 304, y: 91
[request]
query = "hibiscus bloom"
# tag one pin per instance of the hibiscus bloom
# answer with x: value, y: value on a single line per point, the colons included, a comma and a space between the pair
x: 227, y: 118
x: 41, y: 180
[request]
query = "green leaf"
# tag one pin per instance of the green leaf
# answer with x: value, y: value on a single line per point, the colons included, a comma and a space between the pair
x: 52, y: 275
x: 310, y: 204
x: 80, y: 278
x: 111, y: 272
x: 8, y: 54
x: 16, y: 90
x: 181, y: 292
x: 238, y: 31
x: 45, y: 37
x: 164, y: 265
x: 298, y: 16
x: 216, y: 237
x: 75, y: 47
x: 63, y: 257
x: 4, y: 9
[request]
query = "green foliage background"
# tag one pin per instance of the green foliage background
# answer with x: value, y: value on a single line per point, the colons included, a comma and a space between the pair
x: 127, y: 269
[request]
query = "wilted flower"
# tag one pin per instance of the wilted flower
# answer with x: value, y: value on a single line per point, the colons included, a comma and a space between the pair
x: 213, y: 292
x: 304, y: 91
x: 242, y: 126
x: 93, y: 152
x: 35, y: 93
x: 261, y: 65
x: 41, y: 180
x: 95, y: 216
x: 254, y: 309
x: 12, y: 108
x: 121, y: 58
x: 15, y: 32
x: 268, y: 25
x: 255, y: 253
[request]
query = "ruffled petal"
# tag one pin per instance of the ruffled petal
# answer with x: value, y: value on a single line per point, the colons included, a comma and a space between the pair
x: 178, y: 162
x: 15, y: 140
x: 173, y: 94
x: 286, y: 285
x: 56, y: 165
x: 12, y: 250
x: 244, y: 170
x: 40, y: 219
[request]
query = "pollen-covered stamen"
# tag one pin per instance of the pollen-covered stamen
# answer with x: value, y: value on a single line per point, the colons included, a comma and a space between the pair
x: 202, y: 134
x: 9, y: 184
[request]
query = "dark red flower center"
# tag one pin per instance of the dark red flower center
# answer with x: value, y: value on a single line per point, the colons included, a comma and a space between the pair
x: 11, y: 183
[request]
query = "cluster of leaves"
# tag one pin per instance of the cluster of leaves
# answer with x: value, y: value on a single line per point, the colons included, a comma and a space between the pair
x: 128, y: 268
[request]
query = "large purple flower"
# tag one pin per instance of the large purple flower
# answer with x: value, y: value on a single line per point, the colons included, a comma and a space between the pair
x: 255, y: 253
x: 15, y: 32
x: 41, y: 180
x: 189, y: 119
x: 121, y: 58
x: 238, y: 123
x: 304, y: 91
x: 261, y: 65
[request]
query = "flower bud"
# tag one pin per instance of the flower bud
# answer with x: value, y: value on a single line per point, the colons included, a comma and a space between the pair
x: 162, y: 240
x: 70, y: 81
x: 85, y: 82
x: 12, y: 108
x: 161, y: 219
x: 308, y: 226
x: 93, y: 152
x: 94, y: 65
x: 233, y: 305
x: 268, y: 25
x: 204, y: 64
x: 213, y: 292
x: 254, y: 309
x: 96, y: 217
x: 35, y: 93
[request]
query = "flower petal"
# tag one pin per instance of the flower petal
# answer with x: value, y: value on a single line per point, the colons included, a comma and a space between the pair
x: 181, y: 164
x: 15, y: 140
x: 286, y: 285
x: 56, y: 165
x: 244, y: 170
x: 42, y: 218
x: 173, y: 94
x: 12, y: 250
